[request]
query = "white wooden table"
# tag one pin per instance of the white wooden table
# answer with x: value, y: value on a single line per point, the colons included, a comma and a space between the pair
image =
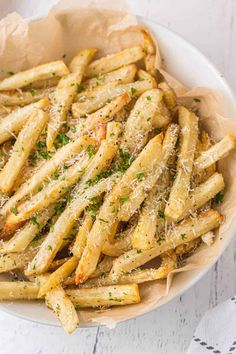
x: 211, y: 26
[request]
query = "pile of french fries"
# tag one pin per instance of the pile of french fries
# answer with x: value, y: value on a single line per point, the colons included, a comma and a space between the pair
x: 101, y: 172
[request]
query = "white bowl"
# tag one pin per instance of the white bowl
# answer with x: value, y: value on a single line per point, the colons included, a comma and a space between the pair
x: 193, y: 69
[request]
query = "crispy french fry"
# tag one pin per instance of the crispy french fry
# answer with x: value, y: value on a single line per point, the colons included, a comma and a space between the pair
x: 62, y: 306
x: 215, y: 153
x: 65, y: 93
x: 50, y: 194
x: 118, y: 247
x: 108, y: 212
x: 115, y: 295
x: 21, y: 150
x: 18, y: 290
x: 36, y: 181
x: 183, y: 233
x: 124, y: 75
x: 57, y: 277
x: 81, y: 237
x: 168, y: 95
x: 140, y: 121
x: 91, y: 100
x: 15, y: 98
x: 147, y: 181
x: 43, y: 84
x: 80, y: 201
x: 27, y: 233
x: 115, y: 61
x: 41, y: 72
x: 168, y: 264
x: 188, y: 139
x: 14, y: 122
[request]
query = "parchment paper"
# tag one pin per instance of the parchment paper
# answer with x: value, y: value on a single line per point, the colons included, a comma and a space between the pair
x: 110, y: 26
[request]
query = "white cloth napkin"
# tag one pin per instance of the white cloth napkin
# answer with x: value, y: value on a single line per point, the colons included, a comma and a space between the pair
x: 216, y: 332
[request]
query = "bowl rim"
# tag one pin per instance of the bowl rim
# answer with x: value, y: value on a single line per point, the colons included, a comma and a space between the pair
x: 230, y: 94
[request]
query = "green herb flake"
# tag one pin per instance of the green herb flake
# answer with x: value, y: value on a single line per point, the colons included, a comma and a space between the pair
x: 49, y: 247
x: 63, y: 139
x: 161, y: 214
x: 133, y: 91
x: 32, y: 91
x: 73, y: 129
x: 14, y: 210
x: 218, y: 198
x: 35, y: 221
x: 56, y: 175
x: 149, y: 98
x: 140, y: 176
x: 90, y: 150
x: 183, y: 236
x: 80, y: 88
x: 139, y: 251
x: 124, y: 198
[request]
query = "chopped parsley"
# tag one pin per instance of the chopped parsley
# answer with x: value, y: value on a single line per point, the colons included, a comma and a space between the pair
x: 32, y: 91
x: 139, y: 251
x: 73, y: 129
x: 124, y: 198
x: 133, y: 91
x: 90, y: 150
x: 140, y: 176
x: 35, y: 221
x: 49, y: 247
x: 63, y: 139
x: 109, y: 100
x: 45, y: 155
x: 80, y: 88
x: 218, y: 198
x: 41, y: 144
x: 14, y: 210
x: 149, y: 98
x: 161, y: 214
x: 126, y: 160
x: 56, y: 175
x: 183, y: 236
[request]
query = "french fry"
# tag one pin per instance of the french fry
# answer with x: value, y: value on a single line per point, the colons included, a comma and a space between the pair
x: 140, y: 121
x: 115, y: 61
x: 27, y: 233
x: 65, y: 93
x: 123, y: 75
x: 91, y: 100
x: 81, y: 200
x: 168, y: 264
x: 188, y: 247
x: 14, y: 122
x: 43, y: 84
x: 215, y: 153
x: 15, y: 98
x: 169, y: 96
x: 108, y: 212
x: 62, y: 306
x: 57, y: 277
x: 21, y: 150
x: 147, y: 181
x: 18, y: 290
x: 185, y: 232
x: 118, y: 247
x: 115, y: 295
x: 188, y: 139
x: 41, y: 72
x: 57, y: 263
x: 81, y: 237
x: 53, y: 191
x: 46, y: 170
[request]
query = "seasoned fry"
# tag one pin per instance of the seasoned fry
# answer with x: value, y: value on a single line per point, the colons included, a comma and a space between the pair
x: 185, y: 232
x: 108, y: 212
x: 115, y: 61
x: 41, y: 72
x: 14, y: 122
x: 45, y: 171
x: 147, y: 181
x: 81, y: 238
x: 124, y: 75
x: 15, y: 98
x: 65, y: 93
x: 91, y: 100
x: 21, y: 150
x: 62, y: 306
x: 20, y: 290
x: 215, y: 153
x: 27, y: 233
x: 188, y: 139
x: 168, y: 95
x: 118, y: 247
x: 115, y: 295
x: 57, y: 277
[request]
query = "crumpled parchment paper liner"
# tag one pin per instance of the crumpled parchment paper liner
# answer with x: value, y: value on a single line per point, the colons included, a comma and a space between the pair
x: 110, y: 26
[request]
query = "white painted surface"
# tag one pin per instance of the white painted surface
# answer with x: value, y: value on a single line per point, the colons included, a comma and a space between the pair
x: 211, y: 26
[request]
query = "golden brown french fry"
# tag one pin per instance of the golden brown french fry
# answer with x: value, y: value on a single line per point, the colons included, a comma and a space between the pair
x: 62, y: 306
x: 140, y: 121
x: 91, y: 100
x: 41, y: 72
x: 27, y: 233
x: 81, y: 200
x: 53, y: 191
x: 188, y: 139
x: 182, y: 233
x: 81, y: 237
x: 124, y: 75
x: 18, y: 290
x: 137, y: 276
x: 57, y: 277
x: 168, y: 95
x: 21, y: 149
x: 108, y: 212
x: 115, y: 61
x: 46, y: 170
x: 15, y: 98
x: 147, y: 181
x: 215, y: 153
x: 115, y: 295
x: 118, y: 247
x: 65, y: 93
x: 14, y: 122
